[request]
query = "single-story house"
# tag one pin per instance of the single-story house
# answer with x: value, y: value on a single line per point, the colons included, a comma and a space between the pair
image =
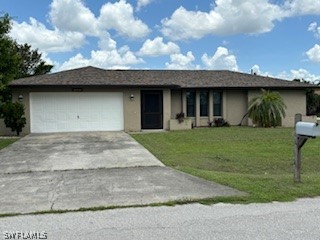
x: 93, y: 99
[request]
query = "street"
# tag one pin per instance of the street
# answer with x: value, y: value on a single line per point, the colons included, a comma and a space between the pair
x: 293, y: 220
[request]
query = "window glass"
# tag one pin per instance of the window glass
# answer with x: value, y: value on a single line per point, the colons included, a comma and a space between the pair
x: 204, y: 99
x: 191, y: 103
x: 217, y: 103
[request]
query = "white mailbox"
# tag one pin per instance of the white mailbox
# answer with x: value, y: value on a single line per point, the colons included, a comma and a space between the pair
x: 308, y: 129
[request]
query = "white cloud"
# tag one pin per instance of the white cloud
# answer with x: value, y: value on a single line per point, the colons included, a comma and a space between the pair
x: 47, y: 59
x: 292, y: 74
x: 227, y: 17
x: 314, y: 53
x: 302, y: 7
x: 299, y: 74
x: 72, y: 15
x: 142, y: 3
x: 233, y: 17
x: 221, y: 60
x: 119, y: 16
x: 106, y: 42
x: 122, y: 58
x: 304, y: 74
x: 313, y: 27
x: 180, y: 61
x: 75, y: 62
x: 72, y: 21
x: 256, y: 69
x: 157, y: 47
x: 38, y: 36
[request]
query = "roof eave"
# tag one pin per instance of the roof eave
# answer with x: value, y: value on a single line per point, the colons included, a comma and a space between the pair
x: 91, y: 86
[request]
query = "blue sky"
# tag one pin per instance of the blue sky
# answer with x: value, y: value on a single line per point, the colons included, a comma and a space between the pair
x: 278, y: 38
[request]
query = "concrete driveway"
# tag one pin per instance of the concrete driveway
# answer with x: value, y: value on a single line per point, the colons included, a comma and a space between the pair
x: 69, y: 151
x: 69, y: 171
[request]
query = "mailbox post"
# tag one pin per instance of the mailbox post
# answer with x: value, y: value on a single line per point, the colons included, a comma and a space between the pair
x: 304, y: 131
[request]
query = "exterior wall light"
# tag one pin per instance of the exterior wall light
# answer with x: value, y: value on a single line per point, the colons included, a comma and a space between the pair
x: 131, y: 97
x: 20, y: 98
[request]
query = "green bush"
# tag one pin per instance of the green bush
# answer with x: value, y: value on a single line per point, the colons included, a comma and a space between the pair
x: 220, y: 122
x: 13, y: 114
x: 267, y: 109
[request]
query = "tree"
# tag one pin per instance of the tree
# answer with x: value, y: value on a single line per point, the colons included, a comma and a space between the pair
x: 17, y: 60
x: 31, y: 62
x: 9, y: 56
x: 14, y: 116
x: 267, y: 109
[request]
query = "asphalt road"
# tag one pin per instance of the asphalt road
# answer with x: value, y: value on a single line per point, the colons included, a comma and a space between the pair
x: 294, y: 220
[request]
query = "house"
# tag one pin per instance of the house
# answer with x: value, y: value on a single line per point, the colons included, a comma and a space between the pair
x: 93, y: 99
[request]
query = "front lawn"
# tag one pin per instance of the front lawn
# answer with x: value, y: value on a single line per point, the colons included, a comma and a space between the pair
x: 255, y: 160
x: 6, y: 141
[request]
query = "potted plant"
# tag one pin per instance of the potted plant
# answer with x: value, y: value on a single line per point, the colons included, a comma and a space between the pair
x: 180, y: 117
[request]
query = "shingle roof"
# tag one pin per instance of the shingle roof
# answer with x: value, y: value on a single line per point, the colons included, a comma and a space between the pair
x: 91, y: 76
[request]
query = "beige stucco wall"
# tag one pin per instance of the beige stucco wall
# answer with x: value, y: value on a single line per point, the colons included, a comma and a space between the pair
x: 166, y: 108
x: 235, y: 106
x: 204, y: 121
x: 132, y: 110
x: 295, y: 101
x: 5, y: 131
x: 176, y: 103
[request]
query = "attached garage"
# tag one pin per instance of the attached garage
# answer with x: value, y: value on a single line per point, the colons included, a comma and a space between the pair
x: 76, y: 111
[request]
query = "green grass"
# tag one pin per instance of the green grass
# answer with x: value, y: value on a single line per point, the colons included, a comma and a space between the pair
x: 5, y: 142
x: 255, y: 160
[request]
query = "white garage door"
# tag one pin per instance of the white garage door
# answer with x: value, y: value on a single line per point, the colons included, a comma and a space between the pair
x: 73, y: 112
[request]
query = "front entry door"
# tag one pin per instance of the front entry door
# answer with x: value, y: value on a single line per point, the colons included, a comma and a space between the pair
x: 151, y: 110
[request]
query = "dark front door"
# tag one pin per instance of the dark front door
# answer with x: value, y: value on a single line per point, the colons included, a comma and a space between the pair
x: 151, y: 110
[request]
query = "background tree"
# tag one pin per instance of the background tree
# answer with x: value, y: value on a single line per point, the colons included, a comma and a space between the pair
x: 313, y: 99
x: 31, y: 62
x: 17, y: 60
x: 267, y: 109
x: 9, y: 56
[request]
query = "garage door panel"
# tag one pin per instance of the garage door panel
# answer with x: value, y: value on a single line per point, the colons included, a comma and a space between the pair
x: 68, y: 112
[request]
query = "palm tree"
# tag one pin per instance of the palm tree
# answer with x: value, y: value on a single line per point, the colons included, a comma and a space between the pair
x: 267, y: 109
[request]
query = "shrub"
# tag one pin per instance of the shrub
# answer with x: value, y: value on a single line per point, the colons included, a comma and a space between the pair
x: 267, y: 109
x: 220, y: 122
x: 180, y: 117
x: 13, y: 114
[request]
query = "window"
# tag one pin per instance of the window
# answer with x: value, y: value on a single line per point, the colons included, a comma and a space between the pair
x: 191, y: 103
x: 217, y: 103
x: 204, y: 103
